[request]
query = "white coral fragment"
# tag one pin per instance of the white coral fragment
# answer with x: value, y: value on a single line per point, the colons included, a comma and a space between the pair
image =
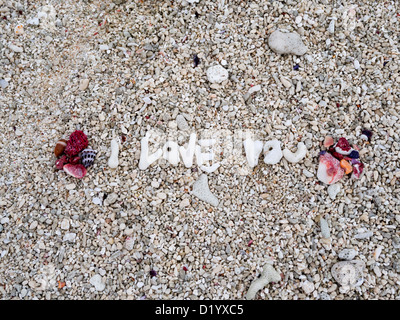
x: 272, y: 152
x: 269, y: 274
x: 297, y: 156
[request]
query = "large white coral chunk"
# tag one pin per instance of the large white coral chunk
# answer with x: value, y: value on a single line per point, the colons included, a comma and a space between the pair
x: 269, y: 274
x: 286, y: 43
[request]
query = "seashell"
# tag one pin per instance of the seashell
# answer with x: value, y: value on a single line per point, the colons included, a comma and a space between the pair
x: 366, y: 135
x: 88, y: 156
x: 328, y: 141
x: 19, y: 29
x: 75, y: 170
x: 60, y: 162
x: 346, y: 166
x: 358, y: 168
x: 343, y: 147
x: 60, y: 147
x: 329, y: 170
x: 354, y: 154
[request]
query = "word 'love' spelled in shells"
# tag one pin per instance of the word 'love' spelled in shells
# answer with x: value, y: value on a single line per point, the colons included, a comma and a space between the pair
x: 203, y: 151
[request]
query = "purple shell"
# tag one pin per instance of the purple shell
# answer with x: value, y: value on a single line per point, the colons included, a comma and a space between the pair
x: 88, y: 156
x: 355, y: 161
x: 366, y: 135
x: 153, y: 273
x: 354, y: 154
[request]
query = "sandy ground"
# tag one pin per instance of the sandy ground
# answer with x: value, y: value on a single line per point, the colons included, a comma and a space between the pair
x: 119, y: 69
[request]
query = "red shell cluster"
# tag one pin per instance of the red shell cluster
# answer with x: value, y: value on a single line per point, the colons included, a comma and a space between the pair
x: 76, y: 143
x: 67, y: 153
x: 347, y: 155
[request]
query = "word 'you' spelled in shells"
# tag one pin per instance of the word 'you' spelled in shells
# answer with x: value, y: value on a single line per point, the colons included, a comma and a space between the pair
x: 175, y: 154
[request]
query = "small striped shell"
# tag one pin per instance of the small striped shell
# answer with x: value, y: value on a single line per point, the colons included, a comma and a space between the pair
x: 88, y: 156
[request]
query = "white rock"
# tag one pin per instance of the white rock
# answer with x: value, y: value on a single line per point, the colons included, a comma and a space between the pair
x: 70, y: 237
x: 42, y: 15
x: 356, y: 64
x: 307, y: 173
x: 33, y: 225
x: 364, y: 235
x: 97, y: 282
x: 331, y: 27
x: 254, y: 89
x: 297, y: 156
x: 210, y: 169
x: 272, y: 152
x: 97, y: 200
x: 171, y: 152
x: 33, y: 22
x: 15, y: 48
x: 269, y: 274
x: 103, y: 47
x: 202, y: 191
x: 111, y: 198
x: 333, y: 190
x: 348, y: 273
x: 147, y: 100
x: 217, y: 74
x: 184, y: 203
x: 65, y: 224
x: 83, y: 84
x: 4, y: 220
x: 308, y: 287
x: 285, y: 82
x: 70, y: 186
x: 324, y: 228
x: 129, y: 243
x: 162, y: 195
x: 286, y: 43
x: 347, y: 254
x: 3, y: 83
x: 181, y: 123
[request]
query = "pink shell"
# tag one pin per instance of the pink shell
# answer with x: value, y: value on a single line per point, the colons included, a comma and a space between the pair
x: 328, y: 141
x: 329, y: 169
x: 75, y: 170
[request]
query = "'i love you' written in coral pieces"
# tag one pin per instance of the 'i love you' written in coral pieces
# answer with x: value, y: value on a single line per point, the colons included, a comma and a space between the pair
x: 214, y: 150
